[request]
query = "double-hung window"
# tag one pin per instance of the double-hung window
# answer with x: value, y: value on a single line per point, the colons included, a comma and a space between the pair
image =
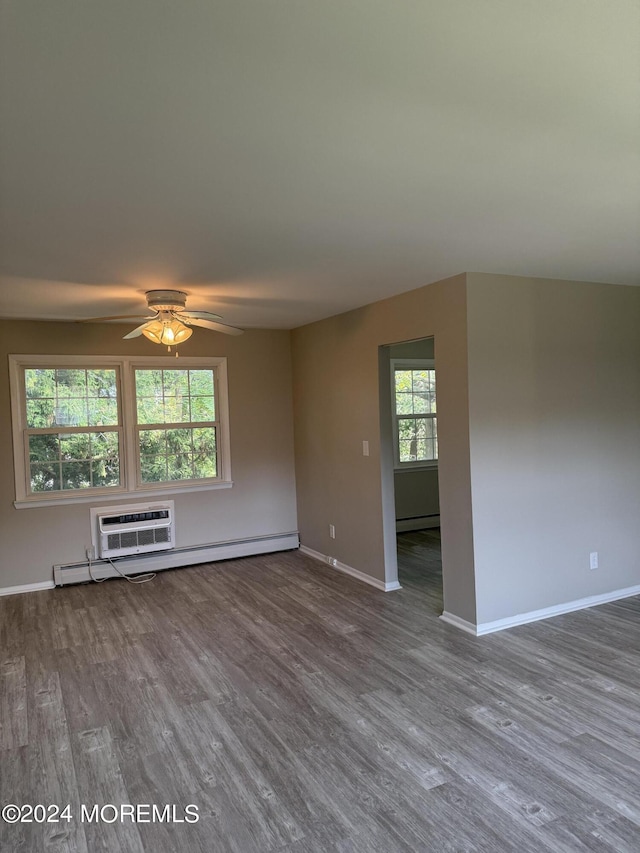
x: 176, y: 426
x: 85, y: 427
x: 415, y: 422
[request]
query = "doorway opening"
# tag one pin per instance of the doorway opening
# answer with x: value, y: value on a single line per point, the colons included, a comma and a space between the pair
x: 409, y: 430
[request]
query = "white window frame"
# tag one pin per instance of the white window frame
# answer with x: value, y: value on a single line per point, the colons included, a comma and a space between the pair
x: 407, y: 364
x: 130, y: 482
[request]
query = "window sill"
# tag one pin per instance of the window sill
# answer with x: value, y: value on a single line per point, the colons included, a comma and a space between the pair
x: 418, y: 466
x: 104, y: 497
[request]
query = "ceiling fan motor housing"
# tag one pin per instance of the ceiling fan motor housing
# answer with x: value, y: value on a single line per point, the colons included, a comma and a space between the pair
x: 166, y: 300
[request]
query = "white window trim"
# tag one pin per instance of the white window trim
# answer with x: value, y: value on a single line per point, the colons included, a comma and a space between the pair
x: 129, y: 464
x: 407, y: 364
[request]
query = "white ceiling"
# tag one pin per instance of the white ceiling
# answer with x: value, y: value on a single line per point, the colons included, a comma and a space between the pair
x: 283, y: 161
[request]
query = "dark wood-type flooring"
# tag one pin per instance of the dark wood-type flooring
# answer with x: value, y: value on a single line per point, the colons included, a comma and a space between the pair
x: 305, y: 712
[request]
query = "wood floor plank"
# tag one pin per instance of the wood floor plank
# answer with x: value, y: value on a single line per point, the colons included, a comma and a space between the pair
x: 13, y: 703
x: 304, y: 712
x: 100, y: 782
x: 51, y: 776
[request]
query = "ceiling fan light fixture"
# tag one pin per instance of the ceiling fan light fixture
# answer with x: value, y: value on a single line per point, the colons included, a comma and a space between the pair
x: 168, y: 332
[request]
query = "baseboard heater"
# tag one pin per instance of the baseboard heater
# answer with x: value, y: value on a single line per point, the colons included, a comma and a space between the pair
x: 418, y: 522
x: 176, y: 558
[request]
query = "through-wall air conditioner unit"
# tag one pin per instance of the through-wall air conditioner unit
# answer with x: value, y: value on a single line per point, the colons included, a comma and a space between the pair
x: 138, y: 530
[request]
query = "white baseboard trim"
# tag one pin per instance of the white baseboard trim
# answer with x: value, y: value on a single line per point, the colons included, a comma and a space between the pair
x: 557, y: 610
x: 26, y: 587
x: 537, y: 615
x: 456, y: 621
x: 349, y: 570
x: 176, y: 558
x: 425, y: 522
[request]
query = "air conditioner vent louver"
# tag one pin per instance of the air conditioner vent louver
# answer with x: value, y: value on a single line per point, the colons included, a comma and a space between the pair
x: 135, y: 532
x: 128, y: 540
x: 146, y: 537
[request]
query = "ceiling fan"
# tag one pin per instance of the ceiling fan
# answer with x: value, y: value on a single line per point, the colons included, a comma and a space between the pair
x: 169, y: 324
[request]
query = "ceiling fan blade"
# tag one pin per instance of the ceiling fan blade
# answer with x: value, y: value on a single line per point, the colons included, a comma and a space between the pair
x: 215, y: 327
x: 136, y: 332
x: 115, y: 317
x: 198, y: 315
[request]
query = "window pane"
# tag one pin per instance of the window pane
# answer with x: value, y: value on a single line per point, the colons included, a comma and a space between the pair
x: 404, y: 404
x: 75, y: 446
x: 204, y: 467
x: 40, y: 383
x: 179, y: 441
x: 148, y: 383
x: 71, y: 412
x: 421, y: 380
x: 403, y: 381
x: 176, y: 383
x: 66, y: 397
x: 176, y: 410
x: 202, y: 409
x: 407, y: 451
x: 174, y: 396
x: 40, y: 413
x: 180, y: 467
x: 103, y: 412
x: 45, y: 478
x: 71, y: 383
x: 204, y: 441
x: 153, y: 442
x: 418, y: 441
x: 420, y: 404
x: 201, y: 383
x: 74, y: 460
x: 406, y: 428
x: 105, y: 444
x: 76, y: 475
x: 150, y: 410
x: 204, y: 452
x: 43, y: 448
x: 105, y: 462
x: 177, y: 454
x: 153, y: 469
x: 102, y: 383
x: 105, y: 471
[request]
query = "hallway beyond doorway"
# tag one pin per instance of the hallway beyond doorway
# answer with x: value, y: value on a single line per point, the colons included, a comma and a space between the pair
x: 420, y: 565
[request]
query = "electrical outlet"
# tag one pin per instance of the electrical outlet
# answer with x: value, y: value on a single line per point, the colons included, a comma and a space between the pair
x: 332, y: 531
x: 89, y: 552
x: 593, y: 560
x: 365, y: 448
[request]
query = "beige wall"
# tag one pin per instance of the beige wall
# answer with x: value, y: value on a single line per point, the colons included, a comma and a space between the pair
x: 554, y: 406
x: 337, y: 406
x: 262, y: 500
x: 421, y: 348
x: 416, y: 494
x: 539, y: 414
